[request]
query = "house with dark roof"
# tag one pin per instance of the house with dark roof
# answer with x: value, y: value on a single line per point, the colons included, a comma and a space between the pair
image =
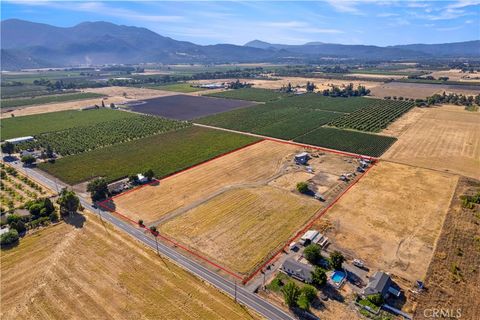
x: 297, y: 270
x: 381, y: 283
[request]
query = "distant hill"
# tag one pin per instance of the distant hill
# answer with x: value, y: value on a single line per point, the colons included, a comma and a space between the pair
x: 456, y: 49
x: 28, y: 44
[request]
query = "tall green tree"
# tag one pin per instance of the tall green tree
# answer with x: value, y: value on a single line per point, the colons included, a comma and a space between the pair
x: 149, y: 174
x: 8, y: 148
x: 291, y: 292
x: 98, y: 189
x: 319, y: 277
x: 68, y: 201
x: 312, y: 253
x: 336, y: 260
x: 28, y: 160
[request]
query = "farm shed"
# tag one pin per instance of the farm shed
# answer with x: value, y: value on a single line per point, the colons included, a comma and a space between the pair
x: 381, y: 283
x: 297, y: 270
x: 302, y: 158
x: 20, y: 139
x: 308, y: 237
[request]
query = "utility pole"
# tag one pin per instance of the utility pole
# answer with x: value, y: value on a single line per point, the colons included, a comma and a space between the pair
x: 264, y: 279
x: 235, y: 290
x: 156, y: 242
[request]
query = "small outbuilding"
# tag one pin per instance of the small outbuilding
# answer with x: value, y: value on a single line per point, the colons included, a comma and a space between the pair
x: 302, y: 158
x: 297, y: 270
x: 142, y: 178
x: 308, y: 237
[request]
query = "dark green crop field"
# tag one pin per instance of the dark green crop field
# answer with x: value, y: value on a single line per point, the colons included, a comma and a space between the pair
x: 81, y: 139
x: 164, y: 153
x: 250, y: 94
x: 54, y: 121
x: 349, y: 141
x: 11, y: 103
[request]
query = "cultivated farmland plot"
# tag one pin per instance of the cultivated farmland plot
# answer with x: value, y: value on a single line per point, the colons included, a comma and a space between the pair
x: 54, y: 121
x: 185, y: 107
x: 300, y: 118
x: 164, y: 153
x: 102, y: 273
x: 80, y: 139
x: 12, y: 103
x: 239, y: 209
x: 251, y: 94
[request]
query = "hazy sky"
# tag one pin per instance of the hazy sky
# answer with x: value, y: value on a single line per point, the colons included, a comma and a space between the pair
x: 237, y: 22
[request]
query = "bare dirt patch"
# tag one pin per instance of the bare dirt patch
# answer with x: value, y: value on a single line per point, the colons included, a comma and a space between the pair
x: 444, y: 138
x: 391, y: 218
x: 94, y: 272
x: 453, y: 278
x: 239, y: 228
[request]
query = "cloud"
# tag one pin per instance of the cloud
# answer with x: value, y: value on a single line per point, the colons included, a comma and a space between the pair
x: 463, y: 3
x: 285, y: 24
x: 387, y: 15
x: 102, y: 8
x: 344, y: 6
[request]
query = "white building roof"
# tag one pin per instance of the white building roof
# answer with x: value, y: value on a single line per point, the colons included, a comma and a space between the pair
x: 310, y: 235
x: 303, y: 154
x: 19, y: 139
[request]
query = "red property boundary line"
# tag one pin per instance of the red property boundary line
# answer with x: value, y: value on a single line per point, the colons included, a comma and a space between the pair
x: 246, y: 279
x: 157, y: 234
x: 317, y: 216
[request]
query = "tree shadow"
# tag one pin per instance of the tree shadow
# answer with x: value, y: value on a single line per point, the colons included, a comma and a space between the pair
x: 302, y: 314
x: 10, y: 158
x: 77, y: 220
x: 6, y: 247
x: 332, y: 293
x: 355, y: 279
x: 107, y: 205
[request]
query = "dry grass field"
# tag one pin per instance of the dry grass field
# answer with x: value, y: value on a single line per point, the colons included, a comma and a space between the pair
x: 391, y: 218
x: 241, y: 227
x: 417, y: 90
x: 444, y: 138
x: 95, y: 272
x: 399, y: 126
x: 250, y: 165
x: 453, y: 277
x: 296, y: 81
x: 115, y: 95
x: 457, y: 75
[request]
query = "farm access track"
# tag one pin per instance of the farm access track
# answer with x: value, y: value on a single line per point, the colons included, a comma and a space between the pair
x: 106, y: 205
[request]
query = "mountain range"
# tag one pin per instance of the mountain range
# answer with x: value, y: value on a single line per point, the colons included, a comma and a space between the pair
x: 26, y: 44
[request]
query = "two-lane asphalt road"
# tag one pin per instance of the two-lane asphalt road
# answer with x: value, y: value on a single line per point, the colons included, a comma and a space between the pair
x: 243, y: 296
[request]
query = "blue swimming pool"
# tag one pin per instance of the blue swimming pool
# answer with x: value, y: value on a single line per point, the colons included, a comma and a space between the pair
x: 338, y: 276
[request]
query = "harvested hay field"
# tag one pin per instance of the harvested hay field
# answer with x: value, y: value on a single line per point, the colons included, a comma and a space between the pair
x: 240, y: 228
x: 95, y: 272
x: 453, y: 277
x: 391, y: 218
x: 444, y: 138
x: 399, y: 126
x: 249, y: 165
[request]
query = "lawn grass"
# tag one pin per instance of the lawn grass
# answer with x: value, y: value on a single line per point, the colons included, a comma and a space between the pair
x: 164, y: 153
x: 54, y: 121
x: 12, y: 103
x: 184, y: 87
x: 251, y: 94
